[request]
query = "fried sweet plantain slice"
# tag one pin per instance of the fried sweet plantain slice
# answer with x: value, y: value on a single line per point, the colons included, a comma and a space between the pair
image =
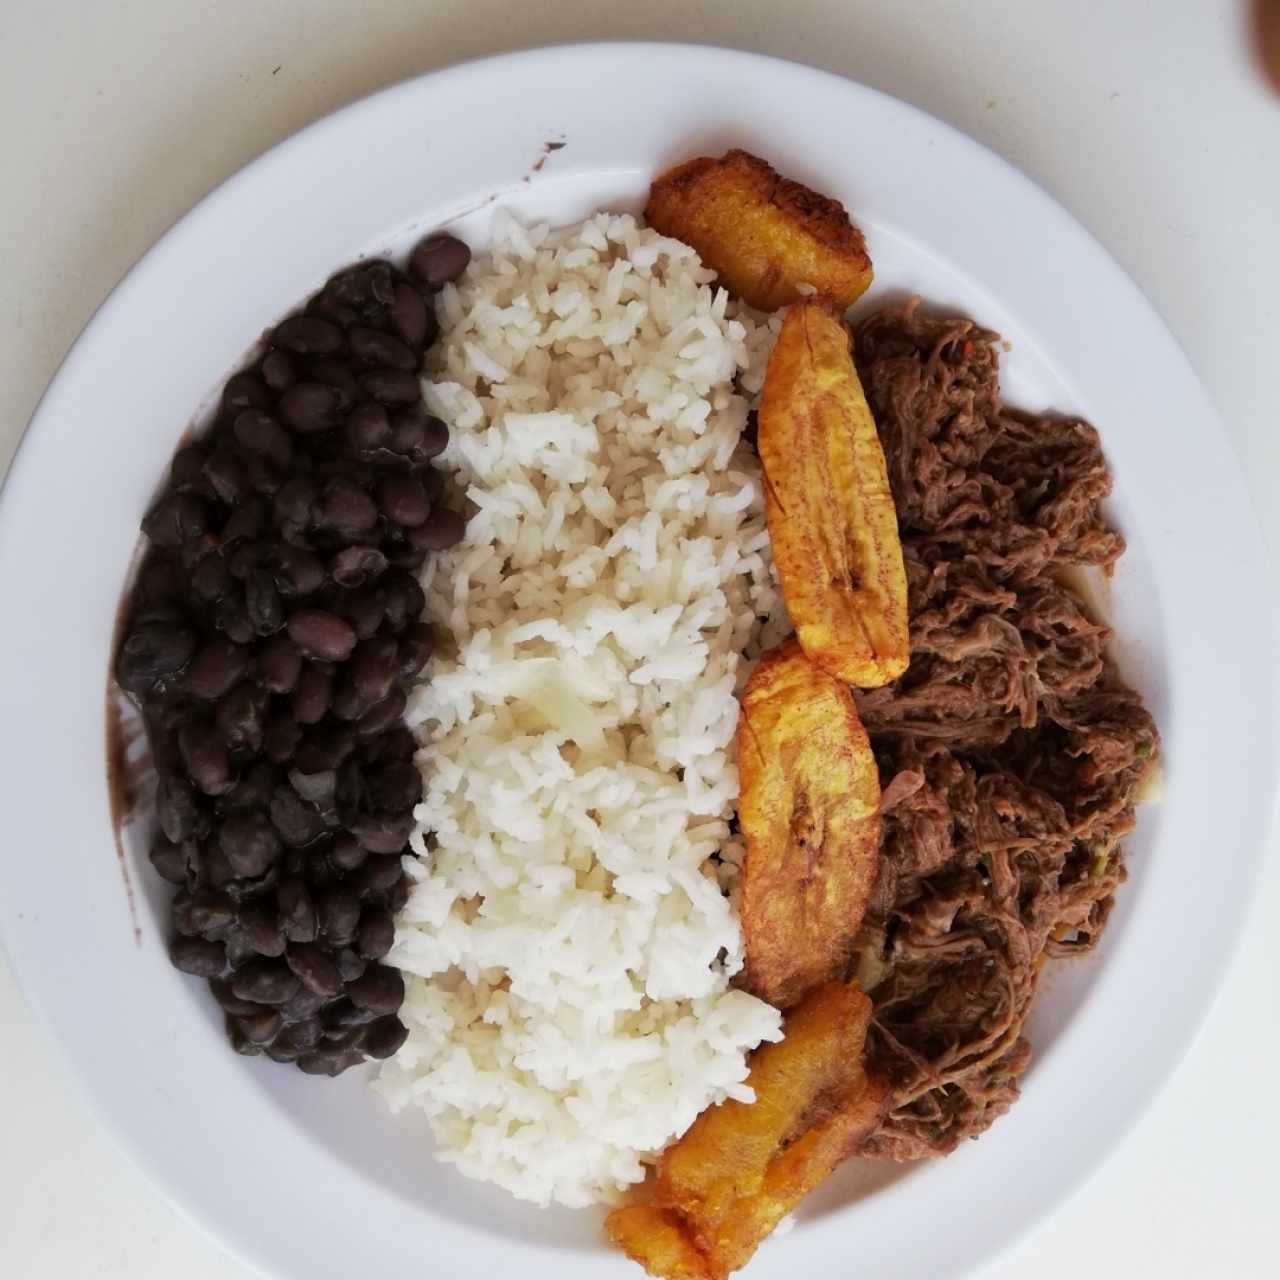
x: 724, y: 1186
x: 798, y: 1082
x: 762, y: 234
x: 809, y: 809
x: 831, y: 516
x: 792, y: 1175
x: 658, y: 1240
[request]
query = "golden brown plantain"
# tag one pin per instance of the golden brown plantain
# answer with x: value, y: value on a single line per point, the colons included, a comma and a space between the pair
x: 832, y: 521
x: 762, y: 234
x: 742, y: 1167
x: 792, y: 1174
x: 809, y: 809
x: 658, y: 1241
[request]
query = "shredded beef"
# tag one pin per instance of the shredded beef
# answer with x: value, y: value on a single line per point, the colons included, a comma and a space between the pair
x: 1010, y: 752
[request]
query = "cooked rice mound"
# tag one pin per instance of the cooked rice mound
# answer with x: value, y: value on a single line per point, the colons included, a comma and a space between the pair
x: 572, y: 930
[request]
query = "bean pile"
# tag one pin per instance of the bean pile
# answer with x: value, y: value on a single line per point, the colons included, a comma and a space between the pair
x: 271, y: 632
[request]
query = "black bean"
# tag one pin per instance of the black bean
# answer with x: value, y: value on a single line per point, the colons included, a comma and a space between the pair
x: 403, y: 599
x: 339, y: 914
x: 153, y: 652
x: 395, y: 788
x: 216, y: 668
x: 259, y: 1028
x: 384, y: 1038
x: 171, y: 861
x: 392, y: 386
x: 332, y: 308
x: 433, y: 480
x: 300, y: 1036
x: 264, y: 476
x: 443, y: 529
x: 176, y: 519
x: 160, y: 579
x: 347, y: 508
x: 230, y: 1002
x: 249, y: 842
x: 246, y: 1048
x: 398, y: 744
x: 320, y: 871
x: 308, y: 336
x: 377, y: 348
x: 354, y: 566
x: 438, y: 259
x: 279, y: 664
x: 244, y: 391
x: 348, y: 702
x: 281, y: 737
x: 198, y: 956
x: 254, y: 790
x: 265, y: 982
x: 202, y: 914
x: 246, y: 524
x: 232, y: 619
x: 310, y: 699
x: 321, y: 635
x: 226, y: 476
x: 348, y: 791
x: 324, y: 748
x: 367, y: 426
x: 303, y: 1007
x: 363, y: 609
x: 401, y: 497
x: 211, y: 579
x: 382, y: 715
x: 278, y: 371
x: 186, y: 471
x: 436, y: 440
x: 314, y: 969
x: 367, y: 289
x: 373, y: 668
x: 260, y: 928
x: 377, y: 875
x: 380, y: 989
x: 401, y: 551
x: 262, y: 602
x: 177, y: 807
x: 315, y: 788
x: 241, y: 718
x: 297, y: 572
x: 215, y: 870
x: 329, y: 1062
x: 376, y: 934
x: 308, y: 407
x: 398, y: 895
x: 339, y: 376
x: 416, y: 646
x: 205, y: 756
x: 295, y: 501
x: 344, y: 1016
x: 348, y: 853
x: 260, y: 433
x: 298, y: 822
x: 411, y: 318
x: 297, y: 910
x: 244, y: 557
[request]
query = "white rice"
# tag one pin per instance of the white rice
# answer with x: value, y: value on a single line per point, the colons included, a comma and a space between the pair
x: 573, y: 926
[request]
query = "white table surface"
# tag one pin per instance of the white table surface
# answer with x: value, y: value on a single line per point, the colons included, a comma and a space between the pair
x: 1144, y: 117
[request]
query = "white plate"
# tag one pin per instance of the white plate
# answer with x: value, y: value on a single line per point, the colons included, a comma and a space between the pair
x: 311, y: 1178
